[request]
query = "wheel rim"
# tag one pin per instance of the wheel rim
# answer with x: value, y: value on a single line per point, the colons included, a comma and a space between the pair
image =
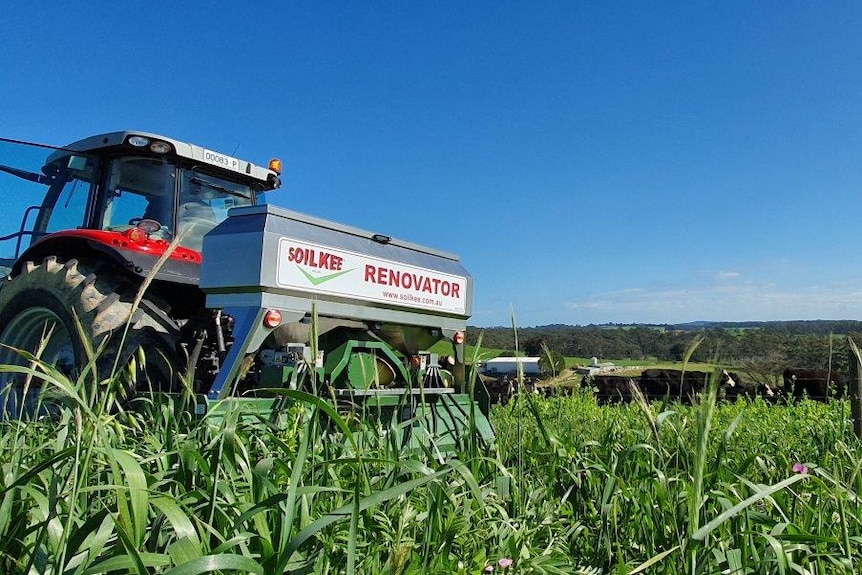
x: 28, y: 329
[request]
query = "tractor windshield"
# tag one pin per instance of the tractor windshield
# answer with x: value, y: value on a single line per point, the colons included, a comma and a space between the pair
x: 204, y: 202
x: 185, y: 201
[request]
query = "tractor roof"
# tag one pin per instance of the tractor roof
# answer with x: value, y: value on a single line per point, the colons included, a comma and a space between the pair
x: 177, y: 148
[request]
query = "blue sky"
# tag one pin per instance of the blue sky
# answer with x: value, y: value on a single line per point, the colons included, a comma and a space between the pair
x: 591, y: 162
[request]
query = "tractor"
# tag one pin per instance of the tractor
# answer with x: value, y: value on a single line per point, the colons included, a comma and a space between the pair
x: 111, y: 205
x: 162, y: 255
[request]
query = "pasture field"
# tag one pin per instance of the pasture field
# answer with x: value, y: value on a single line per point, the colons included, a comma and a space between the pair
x: 569, y: 488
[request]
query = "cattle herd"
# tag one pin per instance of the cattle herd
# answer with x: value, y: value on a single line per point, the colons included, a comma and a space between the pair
x: 685, y: 387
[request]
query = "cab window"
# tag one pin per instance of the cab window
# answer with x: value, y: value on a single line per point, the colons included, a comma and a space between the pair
x: 70, y: 210
x: 204, y: 203
x: 139, y: 188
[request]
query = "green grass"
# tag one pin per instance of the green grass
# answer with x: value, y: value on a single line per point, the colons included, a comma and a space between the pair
x: 696, y: 486
x: 570, y: 487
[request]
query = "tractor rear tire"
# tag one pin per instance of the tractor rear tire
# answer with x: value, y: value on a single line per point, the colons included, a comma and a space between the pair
x: 46, y: 303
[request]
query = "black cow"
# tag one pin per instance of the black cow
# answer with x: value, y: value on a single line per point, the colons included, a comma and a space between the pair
x: 685, y: 387
x: 818, y: 384
x: 657, y: 384
x: 673, y: 383
x: 654, y: 384
x: 734, y: 387
x: 500, y: 389
x: 609, y: 388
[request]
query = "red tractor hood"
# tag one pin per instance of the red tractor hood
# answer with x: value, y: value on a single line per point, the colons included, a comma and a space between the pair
x: 133, y: 240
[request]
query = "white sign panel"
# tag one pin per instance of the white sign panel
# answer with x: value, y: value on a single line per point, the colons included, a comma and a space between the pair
x: 222, y: 160
x: 326, y: 270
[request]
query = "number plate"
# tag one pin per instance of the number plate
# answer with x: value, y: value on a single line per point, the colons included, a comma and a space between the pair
x: 222, y: 161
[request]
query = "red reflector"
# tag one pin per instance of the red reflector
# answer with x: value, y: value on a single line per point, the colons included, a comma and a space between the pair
x: 458, y: 337
x: 272, y: 319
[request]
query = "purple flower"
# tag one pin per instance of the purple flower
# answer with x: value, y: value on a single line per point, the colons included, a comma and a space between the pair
x: 505, y: 562
x: 800, y: 468
x: 489, y: 569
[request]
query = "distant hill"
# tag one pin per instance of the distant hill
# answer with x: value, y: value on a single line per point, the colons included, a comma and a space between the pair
x: 799, y: 327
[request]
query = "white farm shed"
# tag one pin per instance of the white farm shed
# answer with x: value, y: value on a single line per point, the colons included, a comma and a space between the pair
x: 509, y: 365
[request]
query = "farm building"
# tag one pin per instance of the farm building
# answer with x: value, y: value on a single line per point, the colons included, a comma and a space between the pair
x: 509, y: 366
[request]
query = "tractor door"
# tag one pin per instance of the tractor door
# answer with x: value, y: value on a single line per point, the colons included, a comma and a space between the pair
x: 139, y: 188
x: 42, y: 190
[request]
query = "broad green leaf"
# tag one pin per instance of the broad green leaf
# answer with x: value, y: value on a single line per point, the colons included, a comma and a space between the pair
x: 129, y: 564
x: 701, y: 533
x: 210, y: 563
x: 179, y: 521
x: 345, y: 511
x: 139, y: 494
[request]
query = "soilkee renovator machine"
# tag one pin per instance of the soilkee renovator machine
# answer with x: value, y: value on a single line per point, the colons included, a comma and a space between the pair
x: 241, y: 298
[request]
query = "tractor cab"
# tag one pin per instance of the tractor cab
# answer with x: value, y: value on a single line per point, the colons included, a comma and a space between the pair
x: 165, y: 199
x: 132, y: 192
